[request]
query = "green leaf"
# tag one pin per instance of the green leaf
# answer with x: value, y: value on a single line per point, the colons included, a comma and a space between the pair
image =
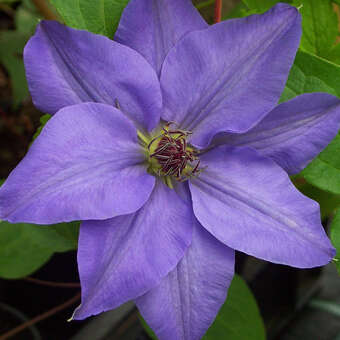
x: 11, y: 47
x: 100, y: 16
x: 239, y: 11
x: 24, y: 248
x: 113, y: 10
x: 334, y: 54
x: 26, y: 19
x: 323, y: 69
x: 260, y: 5
x: 328, y: 202
x: 311, y: 74
x: 70, y: 12
x: 238, y: 319
x: 299, y: 83
x: 147, y: 329
x: 43, y: 120
x: 324, y: 171
x: 335, y: 238
x: 319, y: 26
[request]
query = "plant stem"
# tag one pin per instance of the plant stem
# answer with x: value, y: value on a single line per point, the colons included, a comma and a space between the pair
x: 44, y: 9
x: 218, y: 11
x: 53, y: 284
x: 40, y: 317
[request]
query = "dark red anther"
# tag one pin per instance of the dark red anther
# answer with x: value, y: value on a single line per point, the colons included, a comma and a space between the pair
x: 173, y: 154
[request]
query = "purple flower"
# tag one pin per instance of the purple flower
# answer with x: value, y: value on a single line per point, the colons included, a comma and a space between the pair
x: 164, y: 205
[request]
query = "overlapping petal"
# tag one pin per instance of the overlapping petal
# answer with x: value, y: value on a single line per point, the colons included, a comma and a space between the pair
x: 86, y: 164
x: 187, y: 301
x: 227, y: 77
x: 122, y: 258
x: 65, y: 66
x: 152, y: 27
x: 293, y: 133
x: 248, y: 202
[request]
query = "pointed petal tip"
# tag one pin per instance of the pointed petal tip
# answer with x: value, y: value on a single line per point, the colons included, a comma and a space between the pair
x: 82, y: 313
x: 95, y: 155
x: 57, y: 62
x: 266, y: 48
x: 278, y: 224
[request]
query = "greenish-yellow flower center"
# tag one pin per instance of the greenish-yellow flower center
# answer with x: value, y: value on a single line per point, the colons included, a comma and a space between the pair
x: 170, y: 156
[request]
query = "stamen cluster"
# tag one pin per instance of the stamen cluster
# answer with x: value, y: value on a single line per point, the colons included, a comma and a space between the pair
x: 173, y: 155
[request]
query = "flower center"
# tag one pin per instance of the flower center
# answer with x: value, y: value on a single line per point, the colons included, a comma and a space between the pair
x: 171, y: 156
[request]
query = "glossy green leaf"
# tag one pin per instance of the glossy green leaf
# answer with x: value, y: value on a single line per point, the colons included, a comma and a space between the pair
x: 335, y: 238
x: 323, y: 69
x: 24, y: 248
x: 238, y: 319
x: 299, y: 83
x: 319, y: 26
x: 324, y: 171
x: 70, y: 12
x: 100, y: 16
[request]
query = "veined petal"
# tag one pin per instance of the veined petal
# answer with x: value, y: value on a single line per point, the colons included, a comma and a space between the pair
x: 293, y: 133
x: 152, y: 27
x: 187, y: 301
x: 124, y: 257
x: 248, y: 202
x: 86, y: 164
x: 227, y: 77
x: 65, y: 66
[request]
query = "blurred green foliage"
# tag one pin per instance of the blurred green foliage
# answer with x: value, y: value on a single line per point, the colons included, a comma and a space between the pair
x: 12, y: 44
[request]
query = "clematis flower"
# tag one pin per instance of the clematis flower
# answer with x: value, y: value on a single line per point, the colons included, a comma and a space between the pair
x: 170, y: 147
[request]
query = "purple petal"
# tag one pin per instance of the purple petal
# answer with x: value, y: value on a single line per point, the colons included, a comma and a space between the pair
x: 65, y: 66
x: 86, y: 164
x: 152, y: 27
x: 227, y: 77
x: 295, y: 132
x: 187, y: 301
x: 124, y: 257
x: 248, y: 202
